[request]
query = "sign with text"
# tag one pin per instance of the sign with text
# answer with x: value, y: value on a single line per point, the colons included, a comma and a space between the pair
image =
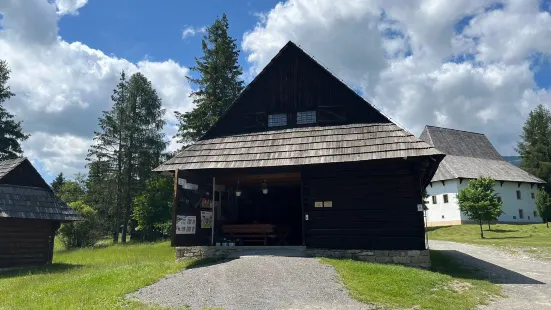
x: 185, y: 224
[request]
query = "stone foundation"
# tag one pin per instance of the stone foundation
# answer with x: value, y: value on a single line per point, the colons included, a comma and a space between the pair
x: 411, y: 258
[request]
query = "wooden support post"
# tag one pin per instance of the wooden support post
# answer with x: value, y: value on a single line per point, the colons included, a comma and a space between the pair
x: 213, y: 209
x: 175, y: 207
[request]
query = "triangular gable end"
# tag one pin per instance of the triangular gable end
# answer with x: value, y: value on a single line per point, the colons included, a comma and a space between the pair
x: 295, y: 90
x: 24, y: 174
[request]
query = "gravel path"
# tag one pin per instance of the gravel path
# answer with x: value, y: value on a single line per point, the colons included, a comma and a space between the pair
x: 526, y: 281
x: 253, y: 282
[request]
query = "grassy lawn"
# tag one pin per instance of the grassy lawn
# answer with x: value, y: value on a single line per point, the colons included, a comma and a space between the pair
x: 531, y: 238
x: 95, y: 278
x: 446, y: 286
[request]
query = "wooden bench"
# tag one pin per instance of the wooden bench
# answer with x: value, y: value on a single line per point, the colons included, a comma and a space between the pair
x: 250, y: 232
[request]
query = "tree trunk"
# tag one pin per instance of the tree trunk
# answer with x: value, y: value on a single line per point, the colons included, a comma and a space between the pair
x: 489, y: 228
x: 481, y: 231
x: 547, y: 224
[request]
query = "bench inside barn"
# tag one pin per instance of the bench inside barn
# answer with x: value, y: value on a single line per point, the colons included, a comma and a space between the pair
x: 250, y: 233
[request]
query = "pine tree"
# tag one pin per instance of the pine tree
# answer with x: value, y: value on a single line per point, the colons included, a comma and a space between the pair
x: 218, y: 83
x: 107, y: 149
x: 535, y: 144
x: 58, y: 182
x: 11, y: 133
x: 543, y: 205
x: 143, y: 140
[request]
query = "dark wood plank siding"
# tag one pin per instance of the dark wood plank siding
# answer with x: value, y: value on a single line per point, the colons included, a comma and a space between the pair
x: 25, y: 242
x: 24, y: 175
x: 374, y: 206
x: 295, y: 83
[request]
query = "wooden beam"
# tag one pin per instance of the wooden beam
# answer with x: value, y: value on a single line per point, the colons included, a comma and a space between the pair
x: 501, y: 182
x: 519, y: 184
x: 175, y: 207
x: 532, y: 185
x: 443, y: 183
x: 430, y: 184
x: 460, y: 180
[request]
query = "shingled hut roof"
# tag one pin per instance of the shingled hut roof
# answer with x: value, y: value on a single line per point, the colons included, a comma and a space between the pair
x: 471, y: 155
x: 301, y: 146
x: 304, y: 145
x: 24, y: 194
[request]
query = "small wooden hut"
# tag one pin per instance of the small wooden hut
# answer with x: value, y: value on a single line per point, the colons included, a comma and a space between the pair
x: 30, y: 214
x: 299, y: 158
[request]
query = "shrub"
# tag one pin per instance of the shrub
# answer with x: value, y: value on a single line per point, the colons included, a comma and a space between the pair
x: 81, y: 233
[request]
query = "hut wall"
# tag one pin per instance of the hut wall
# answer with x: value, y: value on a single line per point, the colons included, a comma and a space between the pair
x: 374, y: 206
x: 25, y: 242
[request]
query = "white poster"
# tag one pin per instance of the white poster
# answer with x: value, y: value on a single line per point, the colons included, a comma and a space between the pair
x: 206, y: 219
x: 185, y: 224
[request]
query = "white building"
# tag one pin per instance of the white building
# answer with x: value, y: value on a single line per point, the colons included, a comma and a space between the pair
x: 470, y: 155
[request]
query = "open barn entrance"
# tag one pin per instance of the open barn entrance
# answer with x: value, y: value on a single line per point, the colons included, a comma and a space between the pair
x: 259, y: 209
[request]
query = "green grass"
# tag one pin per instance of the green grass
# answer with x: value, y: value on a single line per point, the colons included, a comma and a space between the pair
x: 445, y: 286
x: 530, y: 235
x: 94, y: 278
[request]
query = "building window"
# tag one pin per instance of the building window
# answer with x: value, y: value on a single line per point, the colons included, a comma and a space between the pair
x: 518, y: 195
x: 533, y: 195
x: 308, y: 117
x: 520, y: 214
x: 442, y: 215
x: 499, y: 199
x: 445, y: 198
x: 277, y: 120
x: 514, y: 217
x: 434, y: 199
x: 535, y: 214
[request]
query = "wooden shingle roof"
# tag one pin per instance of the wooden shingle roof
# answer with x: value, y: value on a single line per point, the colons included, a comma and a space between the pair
x: 33, y: 203
x: 471, y: 155
x: 9, y: 164
x: 301, y: 146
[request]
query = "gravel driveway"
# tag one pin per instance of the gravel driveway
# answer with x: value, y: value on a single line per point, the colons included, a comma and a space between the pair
x: 526, y: 281
x: 253, y: 282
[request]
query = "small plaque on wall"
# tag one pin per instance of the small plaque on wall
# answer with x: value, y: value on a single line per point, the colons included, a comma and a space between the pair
x: 328, y: 204
x: 318, y: 204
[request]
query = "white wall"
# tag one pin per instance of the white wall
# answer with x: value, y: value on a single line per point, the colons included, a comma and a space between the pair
x: 443, y: 213
x: 511, y: 204
x: 507, y: 192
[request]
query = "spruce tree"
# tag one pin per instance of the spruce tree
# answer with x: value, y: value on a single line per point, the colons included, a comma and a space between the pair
x: 218, y: 83
x: 143, y: 141
x: 11, y: 133
x: 58, y: 182
x: 107, y: 150
x: 535, y: 144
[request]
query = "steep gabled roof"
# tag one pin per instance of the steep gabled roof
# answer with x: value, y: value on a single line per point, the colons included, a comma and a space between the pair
x: 471, y: 155
x: 6, y: 166
x: 25, y: 194
x: 358, y: 141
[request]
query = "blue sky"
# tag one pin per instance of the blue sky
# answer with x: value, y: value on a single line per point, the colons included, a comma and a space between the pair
x: 477, y: 65
x: 149, y: 29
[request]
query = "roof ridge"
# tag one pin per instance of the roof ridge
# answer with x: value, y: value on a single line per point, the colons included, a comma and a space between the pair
x: 478, y: 133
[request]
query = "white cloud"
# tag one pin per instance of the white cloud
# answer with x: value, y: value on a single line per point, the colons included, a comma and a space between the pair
x: 190, y: 31
x: 463, y: 64
x: 61, y: 87
x: 69, y: 6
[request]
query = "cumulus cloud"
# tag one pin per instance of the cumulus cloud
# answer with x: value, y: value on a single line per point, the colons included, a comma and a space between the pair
x: 462, y: 64
x: 190, y: 31
x: 69, y: 6
x: 62, y: 87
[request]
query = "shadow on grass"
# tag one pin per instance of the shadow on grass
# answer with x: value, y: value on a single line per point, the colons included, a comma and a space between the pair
x: 501, y: 230
x: 461, y: 265
x: 37, y: 270
x: 505, y: 237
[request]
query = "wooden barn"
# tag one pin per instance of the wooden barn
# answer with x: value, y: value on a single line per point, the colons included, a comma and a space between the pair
x: 30, y: 214
x: 301, y: 159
